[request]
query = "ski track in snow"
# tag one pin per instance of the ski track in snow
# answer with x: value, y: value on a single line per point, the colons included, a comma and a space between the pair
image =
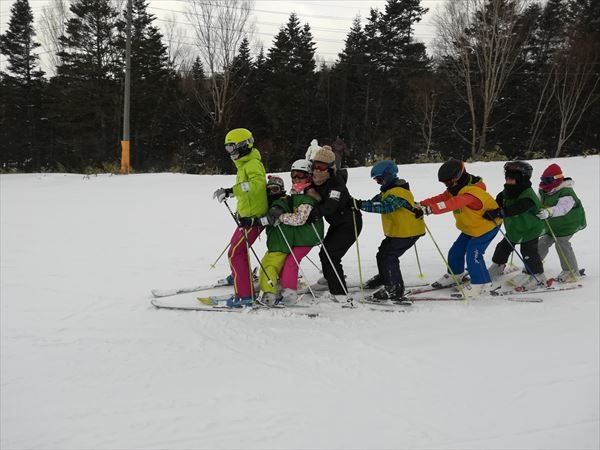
x: 87, y: 362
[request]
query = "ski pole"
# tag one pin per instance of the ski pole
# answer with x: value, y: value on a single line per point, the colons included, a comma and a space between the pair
x: 313, y: 263
x: 295, y: 259
x: 252, y: 293
x: 458, y: 284
x: 360, y: 283
x: 329, y: 259
x: 212, y: 266
x: 560, y: 250
x: 248, y: 244
x: 421, y: 276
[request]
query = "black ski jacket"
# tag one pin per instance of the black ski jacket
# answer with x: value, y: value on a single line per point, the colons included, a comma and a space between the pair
x: 336, y: 204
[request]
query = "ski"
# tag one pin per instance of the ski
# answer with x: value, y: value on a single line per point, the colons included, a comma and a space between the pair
x: 427, y: 288
x: 545, y: 290
x: 186, y: 290
x: 353, y: 287
x: 159, y: 305
x: 214, y: 300
x: 370, y: 301
x: 228, y: 281
x: 458, y: 297
x: 509, y: 297
x: 218, y: 308
x: 380, y: 307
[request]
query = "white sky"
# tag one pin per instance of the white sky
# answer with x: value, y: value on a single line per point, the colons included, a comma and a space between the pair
x: 330, y: 20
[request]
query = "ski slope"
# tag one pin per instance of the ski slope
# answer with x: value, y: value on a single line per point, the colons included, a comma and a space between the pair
x: 87, y: 362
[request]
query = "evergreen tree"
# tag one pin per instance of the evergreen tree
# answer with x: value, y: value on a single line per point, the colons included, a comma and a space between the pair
x: 531, y: 90
x: 18, y: 45
x: 153, y: 91
x: 87, y: 91
x: 194, y: 151
x: 21, y: 87
x: 348, y: 112
x: 253, y: 115
x: 242, y: 71
x: 290, y: 87
x: 394, y: 58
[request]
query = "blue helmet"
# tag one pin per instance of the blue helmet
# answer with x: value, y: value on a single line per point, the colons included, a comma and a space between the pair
x: 384, y: 171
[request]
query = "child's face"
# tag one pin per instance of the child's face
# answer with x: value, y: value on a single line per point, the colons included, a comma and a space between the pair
x: 510, y: 180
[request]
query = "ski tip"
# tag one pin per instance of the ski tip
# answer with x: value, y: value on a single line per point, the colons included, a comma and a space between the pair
x: 206, y: 301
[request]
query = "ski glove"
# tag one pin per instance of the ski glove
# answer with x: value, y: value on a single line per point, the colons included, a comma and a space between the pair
x: 223, y: 193
x: 314, y: 215
x: 544, y: 214
x: 421, y: 210
x: 493, y: 214
x: 258, y: 221
x: 246, y: 221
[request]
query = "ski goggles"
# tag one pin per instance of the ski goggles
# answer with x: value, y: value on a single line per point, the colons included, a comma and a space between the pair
x: 234, y: 147
x: 274, y: 189
x: 551, y: 179
x: 321, y: 166
x: 299, y: 174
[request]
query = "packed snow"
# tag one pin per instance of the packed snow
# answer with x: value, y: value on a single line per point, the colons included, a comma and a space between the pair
x: 87, y: 362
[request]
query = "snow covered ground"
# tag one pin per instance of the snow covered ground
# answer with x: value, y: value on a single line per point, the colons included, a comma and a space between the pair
x: 87, y: 362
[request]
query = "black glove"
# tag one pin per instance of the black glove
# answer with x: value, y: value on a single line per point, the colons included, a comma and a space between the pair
x: 493, y: 214
x: 419, y: 211
x: 271, y: 218
x: 314, y: 215
x: 246, y: 221
x: 266, y: 220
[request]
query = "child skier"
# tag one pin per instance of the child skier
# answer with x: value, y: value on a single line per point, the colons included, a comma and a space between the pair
x: 277, y: 248
x: 401, y: 228
x: 518, y: 206
x: 564, y: 215
x: 289, y: 237
x: 303, y: 198
x: 468, y: 200
x: 250, y: 192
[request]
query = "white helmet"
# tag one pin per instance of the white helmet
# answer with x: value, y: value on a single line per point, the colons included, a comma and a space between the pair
x: 303, y: 165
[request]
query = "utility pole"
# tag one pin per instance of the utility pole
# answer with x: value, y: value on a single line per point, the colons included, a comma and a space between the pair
x: 127, y: 97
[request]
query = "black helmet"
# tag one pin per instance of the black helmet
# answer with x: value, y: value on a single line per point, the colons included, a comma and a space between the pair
x: 518, y: 169
x: 451, y: 170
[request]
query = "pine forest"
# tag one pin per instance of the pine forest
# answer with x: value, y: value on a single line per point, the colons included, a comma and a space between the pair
x: 501, y: 79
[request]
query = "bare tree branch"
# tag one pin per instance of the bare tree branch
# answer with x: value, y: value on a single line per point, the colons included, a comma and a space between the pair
x: 175, y: 36
x: 481, y: 40
x: 52, y: 25
x: 544, y: 100
x: 220, y: 26
x: 576, y: 87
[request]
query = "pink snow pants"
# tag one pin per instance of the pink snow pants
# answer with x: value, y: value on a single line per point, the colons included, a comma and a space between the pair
x: 238, y: 260
x: 288, y: 277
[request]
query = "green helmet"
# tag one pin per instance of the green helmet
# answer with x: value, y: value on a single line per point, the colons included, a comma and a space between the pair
x: 238, y: 142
